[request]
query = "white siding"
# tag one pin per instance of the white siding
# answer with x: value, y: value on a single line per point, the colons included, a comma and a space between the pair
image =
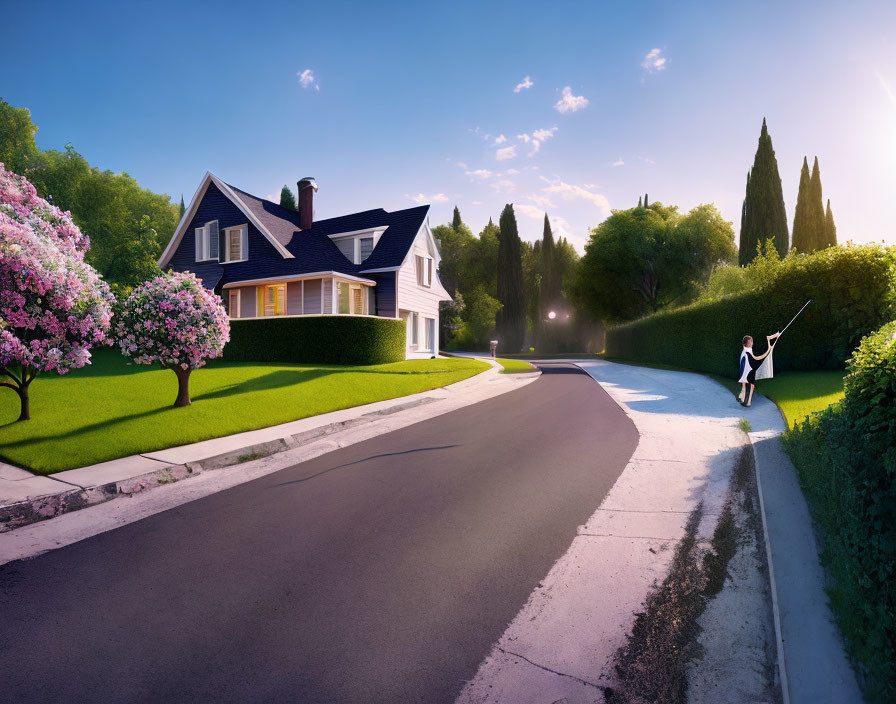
x: 412, y: 296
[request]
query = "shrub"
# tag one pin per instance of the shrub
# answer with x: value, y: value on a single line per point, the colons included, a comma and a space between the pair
x: 846, y: 460
x: 853, y: 289
x: 317, y: 339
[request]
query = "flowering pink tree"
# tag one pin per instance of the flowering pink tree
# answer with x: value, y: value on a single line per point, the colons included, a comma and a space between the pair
x: 53, y: 305
x: 173, y: 320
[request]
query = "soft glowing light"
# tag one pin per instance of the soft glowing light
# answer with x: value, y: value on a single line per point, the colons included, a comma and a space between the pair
x: 552, y: 315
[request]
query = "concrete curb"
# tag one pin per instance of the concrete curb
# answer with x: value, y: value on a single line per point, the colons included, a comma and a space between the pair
x: 79, y: 496
x: 773, y: 585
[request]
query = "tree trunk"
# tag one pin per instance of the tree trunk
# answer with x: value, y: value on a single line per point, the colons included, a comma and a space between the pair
x: 183, y: 386
x: 25, y: 413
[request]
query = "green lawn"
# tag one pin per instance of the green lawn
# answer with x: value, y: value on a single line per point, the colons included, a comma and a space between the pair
x: 514, y: 366
x: 112, y: 409
x: 798, y: 393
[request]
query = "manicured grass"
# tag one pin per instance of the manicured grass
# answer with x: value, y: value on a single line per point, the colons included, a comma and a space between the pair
x: 797, y: 394
x: 112, y: 409
x: 514, y: 366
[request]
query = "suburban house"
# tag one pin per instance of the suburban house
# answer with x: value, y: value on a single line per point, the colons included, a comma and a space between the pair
x: 266, y: 260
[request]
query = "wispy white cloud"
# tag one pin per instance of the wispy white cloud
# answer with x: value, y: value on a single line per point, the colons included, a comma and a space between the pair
x: 524, y: 84
x: 618, y: 162
x: 506, y: 153
x: 511, y: 172
x: 307, y: 79
x: 500, y: 139
x: 486, y: 136
x: 646, y: 160
x: 503, y: 186
x: 569, y: 102
x: 421, y: 199
x: 654, y: 61
x: 569, y: 191
x: 529, y: 211
x: 540, y: 200
x: 477, y: 202
x: 480, y: 173
x: 536, y: 138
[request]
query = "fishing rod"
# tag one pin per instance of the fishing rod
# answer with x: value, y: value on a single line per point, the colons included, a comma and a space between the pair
x: 781, y: 332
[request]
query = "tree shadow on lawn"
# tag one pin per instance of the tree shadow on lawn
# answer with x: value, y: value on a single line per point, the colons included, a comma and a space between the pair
x: 266, y: 382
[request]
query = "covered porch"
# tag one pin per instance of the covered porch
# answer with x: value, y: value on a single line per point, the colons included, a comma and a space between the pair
x: 321, y: 293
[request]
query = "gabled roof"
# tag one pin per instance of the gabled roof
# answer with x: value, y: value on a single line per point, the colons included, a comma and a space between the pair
x: 313, y: 249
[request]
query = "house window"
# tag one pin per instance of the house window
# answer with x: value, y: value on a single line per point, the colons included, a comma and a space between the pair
x: 233, y: 308
x: 357, y: 301
x: 207, y: 241
x: 365, y: 245
x: 235, y: 243
x: 344, y: 301
x: 347, y: 247
x: 424, y: 271
x: 271, y: 300
x: 414, y: 322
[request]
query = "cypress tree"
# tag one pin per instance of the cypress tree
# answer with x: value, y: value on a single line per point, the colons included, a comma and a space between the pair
x: 830, y: 229
x: 511, y: 319
x: 639, y: 202
x: 646, y: 202
x: 287, y: 199
x: 763, y: 215
x: 182, y: 207
x: 550, y: 286
x: 802, y: 225
x: 816, y: 209
x: 456, y: 222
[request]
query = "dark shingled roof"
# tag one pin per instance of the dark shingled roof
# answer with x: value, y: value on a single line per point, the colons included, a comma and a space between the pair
x: 315, y: 251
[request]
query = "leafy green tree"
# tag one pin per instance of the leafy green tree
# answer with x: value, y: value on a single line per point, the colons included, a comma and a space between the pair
x: 511, y: 320
x: 17, y: 145
x: 816, y: 209
x: 830, y: 229
x: 453, y: 240
x: 637, y: 261
x: 480, y: 313
x: 763, y: 215
x: 287, y: 199
x: 456, y: 222
x: 127, y: 225
x: 802, y: 224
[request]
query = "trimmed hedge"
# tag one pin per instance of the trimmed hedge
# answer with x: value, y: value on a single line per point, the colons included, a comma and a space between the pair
x: 317, y: 339
x: 853, y: 290
x: 846, y: 460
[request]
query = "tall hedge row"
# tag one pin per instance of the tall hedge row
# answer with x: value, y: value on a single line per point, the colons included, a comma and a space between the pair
x: 853, y: 292
x: 317, y: 339
x: 845, y: 457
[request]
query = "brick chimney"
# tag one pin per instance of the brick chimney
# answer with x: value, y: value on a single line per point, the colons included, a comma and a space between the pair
x: 306, y: 188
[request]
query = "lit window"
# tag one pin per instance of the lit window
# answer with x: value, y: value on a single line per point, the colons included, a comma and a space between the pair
x: 271, y: 300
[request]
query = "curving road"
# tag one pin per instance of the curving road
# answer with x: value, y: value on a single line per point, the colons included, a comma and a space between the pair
x: 382, y: 572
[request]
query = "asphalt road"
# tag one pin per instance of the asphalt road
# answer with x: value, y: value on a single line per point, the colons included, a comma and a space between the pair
x: 382, y: 572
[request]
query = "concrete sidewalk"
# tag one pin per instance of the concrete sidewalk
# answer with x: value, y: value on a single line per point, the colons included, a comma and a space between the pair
x: 562, y: 643
x: 26, y: 498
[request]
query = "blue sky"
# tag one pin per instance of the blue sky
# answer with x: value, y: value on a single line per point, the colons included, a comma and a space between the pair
x: 406, y: 102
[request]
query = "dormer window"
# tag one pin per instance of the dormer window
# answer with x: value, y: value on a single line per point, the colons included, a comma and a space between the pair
x: 357, y: 246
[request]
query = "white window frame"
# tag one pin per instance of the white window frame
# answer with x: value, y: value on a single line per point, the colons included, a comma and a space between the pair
x: 424, y: 270
x: 235, y: 313
x: 414, y: 321
x: 243, y: 231
x: 205, y: 233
